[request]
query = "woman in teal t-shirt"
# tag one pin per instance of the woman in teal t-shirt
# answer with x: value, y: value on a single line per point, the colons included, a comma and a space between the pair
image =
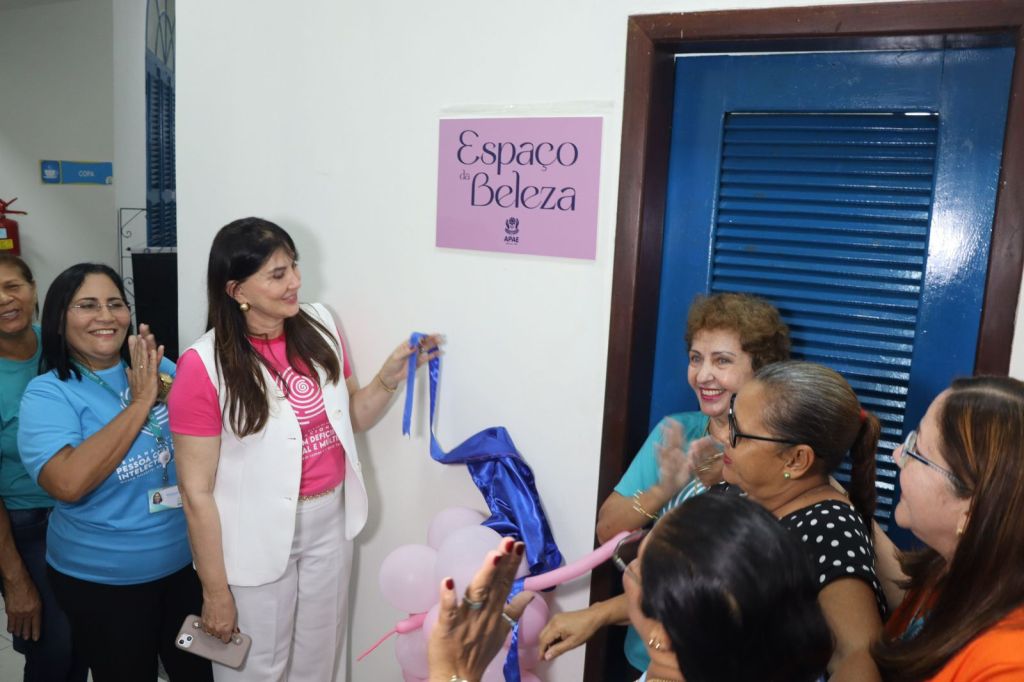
x: 39, y: 629
x: 728, y: 337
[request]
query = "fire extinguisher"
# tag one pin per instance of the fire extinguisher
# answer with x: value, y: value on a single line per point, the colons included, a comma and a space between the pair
x: 9, y: 242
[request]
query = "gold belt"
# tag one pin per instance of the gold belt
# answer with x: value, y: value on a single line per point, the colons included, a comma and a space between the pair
x: 322, y: 493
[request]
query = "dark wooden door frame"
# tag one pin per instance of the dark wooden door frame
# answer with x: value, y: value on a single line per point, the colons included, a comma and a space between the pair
x: 652, y: 43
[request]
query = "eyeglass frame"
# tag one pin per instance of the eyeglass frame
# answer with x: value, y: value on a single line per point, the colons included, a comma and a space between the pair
x: 93, y: 307
x: 620, y: 563
x: 907, y: 450
x: 735, y: 434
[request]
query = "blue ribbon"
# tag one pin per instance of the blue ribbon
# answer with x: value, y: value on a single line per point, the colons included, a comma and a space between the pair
x: 507, y: 484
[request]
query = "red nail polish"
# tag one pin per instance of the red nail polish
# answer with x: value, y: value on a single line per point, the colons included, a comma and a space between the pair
x: 449, y: 584
x: 497, y: 560
x: 520, y: 548
x: 509, y: 543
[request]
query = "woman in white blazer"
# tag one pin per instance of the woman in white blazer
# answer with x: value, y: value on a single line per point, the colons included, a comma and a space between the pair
x: 263, y: 412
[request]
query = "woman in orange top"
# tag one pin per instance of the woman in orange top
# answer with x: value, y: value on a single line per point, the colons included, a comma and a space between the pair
x: 962, y: 476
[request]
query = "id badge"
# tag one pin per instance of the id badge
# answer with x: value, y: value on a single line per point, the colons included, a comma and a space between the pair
x: 164, y: 499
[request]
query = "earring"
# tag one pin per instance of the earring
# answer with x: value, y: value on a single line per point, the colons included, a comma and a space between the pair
x: 654, y: 644
x: 786, y: 475
x: 244, y: 307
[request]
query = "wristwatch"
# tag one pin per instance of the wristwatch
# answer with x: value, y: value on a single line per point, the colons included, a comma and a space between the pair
x: 164, y: 389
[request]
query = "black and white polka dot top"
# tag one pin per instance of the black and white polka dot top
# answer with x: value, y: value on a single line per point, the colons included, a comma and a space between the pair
x: 838, y: 543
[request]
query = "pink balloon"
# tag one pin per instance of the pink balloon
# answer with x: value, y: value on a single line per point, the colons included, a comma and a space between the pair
x: 411, y: 652
x: 407, y: 578
x: 461, y: 555
x: 533, y: 620
x: 449, y: 520
x: 494, y: 672
x: 431, y: 620
x: 529, y: 657
x: 574, y: 570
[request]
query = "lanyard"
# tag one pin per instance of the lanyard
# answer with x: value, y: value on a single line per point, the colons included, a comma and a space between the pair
x: 152, y: 426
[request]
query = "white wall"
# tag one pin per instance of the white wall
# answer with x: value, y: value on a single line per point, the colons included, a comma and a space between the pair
x: 56, y: 80
x: 129, y: 113
x: 323, y: 117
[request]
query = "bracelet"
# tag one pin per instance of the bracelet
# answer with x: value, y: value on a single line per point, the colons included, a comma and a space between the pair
x: 456, y: 678
x: 389, y: 389
x: 639, y: 508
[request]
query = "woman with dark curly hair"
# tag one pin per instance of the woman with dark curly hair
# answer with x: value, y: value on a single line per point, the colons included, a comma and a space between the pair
x: 699, y: 592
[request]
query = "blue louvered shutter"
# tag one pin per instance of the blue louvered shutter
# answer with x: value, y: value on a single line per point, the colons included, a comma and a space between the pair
x: 161, y: 203
x: 827, y: 217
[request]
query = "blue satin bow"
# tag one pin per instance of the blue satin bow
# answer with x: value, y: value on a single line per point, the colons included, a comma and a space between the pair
x: 507, y: 484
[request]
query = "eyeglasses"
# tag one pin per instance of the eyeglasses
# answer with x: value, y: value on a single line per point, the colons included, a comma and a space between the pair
x: 626, y: 550
x: 909, y: 449
x: 93, y: 307
x: 735, y: 434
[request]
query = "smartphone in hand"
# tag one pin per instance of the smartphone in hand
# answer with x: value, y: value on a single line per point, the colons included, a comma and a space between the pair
x: 192, y: 639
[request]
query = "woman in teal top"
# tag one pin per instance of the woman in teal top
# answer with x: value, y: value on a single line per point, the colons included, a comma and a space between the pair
x: 94, y: 435
x: 728, y: 337
x: 39, y: 629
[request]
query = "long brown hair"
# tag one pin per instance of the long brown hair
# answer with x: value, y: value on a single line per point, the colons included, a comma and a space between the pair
x: 815, y: 405
x: 981, y: 437
x: 239, y: 250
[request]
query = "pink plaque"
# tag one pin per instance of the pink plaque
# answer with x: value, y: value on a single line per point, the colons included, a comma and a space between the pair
x: 519, y: 185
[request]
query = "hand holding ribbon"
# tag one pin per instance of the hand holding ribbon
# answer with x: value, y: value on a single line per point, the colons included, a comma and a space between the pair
x: 407, y: 357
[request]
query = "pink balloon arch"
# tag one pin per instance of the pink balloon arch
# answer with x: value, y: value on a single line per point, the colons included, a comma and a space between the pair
x: 456, y: 545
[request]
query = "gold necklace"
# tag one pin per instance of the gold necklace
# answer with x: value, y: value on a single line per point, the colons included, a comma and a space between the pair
x: 794, y: 499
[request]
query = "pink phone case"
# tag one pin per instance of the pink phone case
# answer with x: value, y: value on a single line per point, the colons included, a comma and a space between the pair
x: 192, y: 639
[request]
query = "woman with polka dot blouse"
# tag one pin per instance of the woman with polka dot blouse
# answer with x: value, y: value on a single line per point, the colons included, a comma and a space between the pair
x: 789, y: 429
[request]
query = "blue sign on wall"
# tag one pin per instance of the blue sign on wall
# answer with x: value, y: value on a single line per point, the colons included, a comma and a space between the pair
x: 50, y: 172
x: 77, y: 172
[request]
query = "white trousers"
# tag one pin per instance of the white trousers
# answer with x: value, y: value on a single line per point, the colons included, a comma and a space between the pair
x: 298, y: 622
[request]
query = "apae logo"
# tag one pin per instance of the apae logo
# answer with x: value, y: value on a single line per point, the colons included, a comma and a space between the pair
x: 512, y: 230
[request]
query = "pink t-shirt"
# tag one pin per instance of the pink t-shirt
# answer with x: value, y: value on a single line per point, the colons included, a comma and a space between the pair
x: 194, y: 410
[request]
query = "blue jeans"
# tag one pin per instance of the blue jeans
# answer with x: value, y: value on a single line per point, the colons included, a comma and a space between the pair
x: 52, y: 658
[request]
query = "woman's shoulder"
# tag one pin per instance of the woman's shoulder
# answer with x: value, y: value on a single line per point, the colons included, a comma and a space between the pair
x: 45, y: 389
x: 832, y: 520
x: 996, y: 654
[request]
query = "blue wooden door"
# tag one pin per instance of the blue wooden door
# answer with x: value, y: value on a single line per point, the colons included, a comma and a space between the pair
x: 853, y: 190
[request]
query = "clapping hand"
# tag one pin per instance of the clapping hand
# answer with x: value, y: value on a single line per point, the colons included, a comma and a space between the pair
x: 675, y: 466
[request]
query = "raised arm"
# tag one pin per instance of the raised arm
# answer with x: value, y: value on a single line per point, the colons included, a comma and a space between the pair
x: 197, y: 458
x: 368, y: 404
x: 74, y: 472
x: 658, y: 472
